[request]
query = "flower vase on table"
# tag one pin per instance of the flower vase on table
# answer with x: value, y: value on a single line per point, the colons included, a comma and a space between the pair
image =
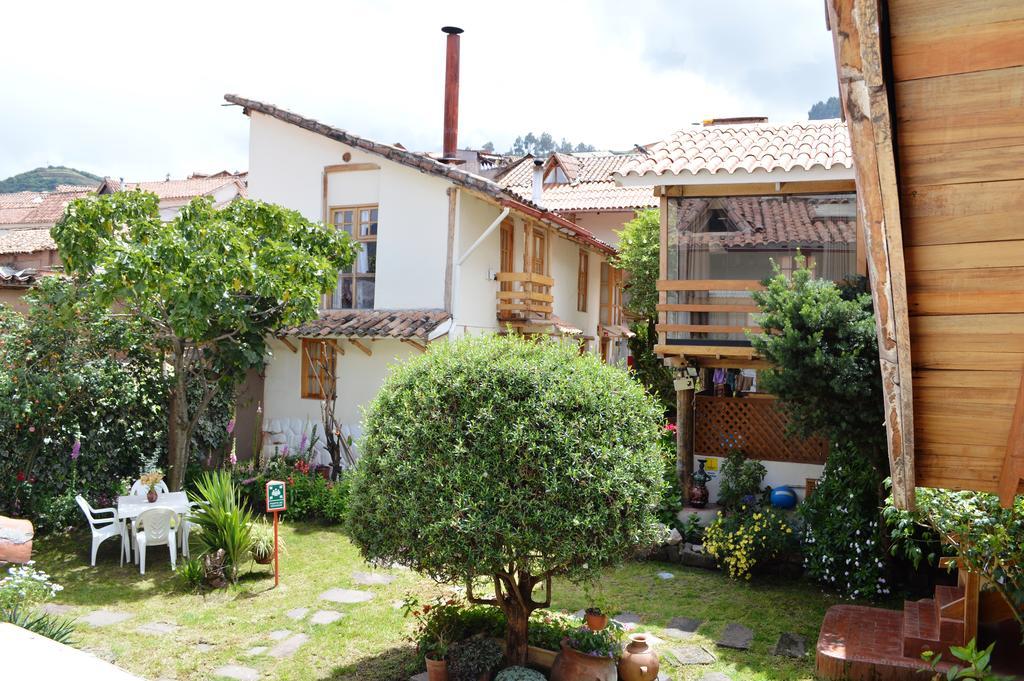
x: 151, y: 480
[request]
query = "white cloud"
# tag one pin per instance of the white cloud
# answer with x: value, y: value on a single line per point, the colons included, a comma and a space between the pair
x: 135, y: 89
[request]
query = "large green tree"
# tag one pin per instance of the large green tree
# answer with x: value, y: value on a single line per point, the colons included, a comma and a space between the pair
x: 639, y: 244
x: 510, y: 460
x: 212, y: 283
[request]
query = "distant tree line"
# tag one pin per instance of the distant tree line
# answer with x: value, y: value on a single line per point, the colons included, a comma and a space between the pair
x: 828, y: 108
x: 541, y: 145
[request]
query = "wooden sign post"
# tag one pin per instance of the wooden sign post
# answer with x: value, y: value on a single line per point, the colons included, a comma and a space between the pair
x: 276, y: 502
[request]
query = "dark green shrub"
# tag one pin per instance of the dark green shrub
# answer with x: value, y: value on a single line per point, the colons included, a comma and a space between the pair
x: 740, y: 481
x: 473, y: 657
x: 492, y: 451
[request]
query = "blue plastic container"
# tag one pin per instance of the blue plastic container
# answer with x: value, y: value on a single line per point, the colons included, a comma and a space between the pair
x: 784, y: 497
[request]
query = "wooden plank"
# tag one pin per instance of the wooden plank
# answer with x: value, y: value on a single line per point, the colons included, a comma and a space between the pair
x: 862, y: 68
x: 963, y: 213
x: 288, y: 344
x: 731, y: 363
x: 705, y: 350
x: 993, y: 333
x: 967, y: 381
x: 1001, y: 397
x: 709, y: 307
x: 762, y: 188
x: 966, y: 280
x: 525, y: 295
x: 366, y: 351
x: 908, y: 17
x: 958, y: 49
x: 706, y: 328
x: 526, y: 277
x: 966, y: 302
x: 415, y: 344
x: 709, y: 285
x: 935, y: 164
x: 350, y: 167
x: 958, y: 361
x: 1012, y: 470
x: 966, y: 256
x: 531, y: 307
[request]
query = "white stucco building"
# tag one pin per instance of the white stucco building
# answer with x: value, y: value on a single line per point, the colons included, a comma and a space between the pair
x: 444, y: 253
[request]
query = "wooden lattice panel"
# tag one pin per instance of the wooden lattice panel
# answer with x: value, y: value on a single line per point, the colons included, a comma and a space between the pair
x: 755, y: 425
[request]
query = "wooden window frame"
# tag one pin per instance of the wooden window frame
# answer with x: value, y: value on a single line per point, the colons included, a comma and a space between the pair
x: 354, y: 276
x: 315, y: 374
x: 507, y: 252
x: 583, y: 280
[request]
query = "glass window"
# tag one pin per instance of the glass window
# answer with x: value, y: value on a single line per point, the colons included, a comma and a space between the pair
x: 356, y: 283
x: 319, y: 365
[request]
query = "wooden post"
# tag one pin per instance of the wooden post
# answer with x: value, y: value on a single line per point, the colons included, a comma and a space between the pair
x: 277, y: 567
x: 684, y: 439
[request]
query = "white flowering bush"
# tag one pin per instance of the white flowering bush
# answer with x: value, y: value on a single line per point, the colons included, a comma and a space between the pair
x: 842, y: 540
x: 25, y: 586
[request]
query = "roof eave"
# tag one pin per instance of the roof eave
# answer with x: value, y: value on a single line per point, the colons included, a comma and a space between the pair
x: 815, y: 174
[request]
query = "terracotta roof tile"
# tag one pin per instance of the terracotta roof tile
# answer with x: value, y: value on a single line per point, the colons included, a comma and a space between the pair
x: 591, y: 185
x: 185, y: 189
x: 42, y: 208
x: 412, y: 324
x: 771, y: 222
x: 746, y: 148
x: 26, y: 240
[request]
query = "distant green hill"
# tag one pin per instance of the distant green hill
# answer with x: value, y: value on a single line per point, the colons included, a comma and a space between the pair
x: 47, y: 179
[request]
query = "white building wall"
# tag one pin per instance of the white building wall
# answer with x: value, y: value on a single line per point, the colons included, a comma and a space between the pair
x: 778, y: 474
x: 564, y: 269
x: 474, y: 296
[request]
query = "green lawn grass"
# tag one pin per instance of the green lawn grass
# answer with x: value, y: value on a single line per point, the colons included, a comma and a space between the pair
x: 369, y: 642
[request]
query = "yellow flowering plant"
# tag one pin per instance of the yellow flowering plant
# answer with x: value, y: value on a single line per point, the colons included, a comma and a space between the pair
x: 743, y: 540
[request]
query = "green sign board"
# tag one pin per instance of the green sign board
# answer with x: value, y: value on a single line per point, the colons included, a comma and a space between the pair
x: 275, y: 496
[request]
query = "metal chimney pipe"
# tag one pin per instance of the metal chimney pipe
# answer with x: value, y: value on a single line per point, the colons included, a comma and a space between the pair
x: 451, y: 94
x: 538, y: 181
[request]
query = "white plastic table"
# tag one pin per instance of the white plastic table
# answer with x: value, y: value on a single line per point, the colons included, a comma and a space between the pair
x: 129, y: 507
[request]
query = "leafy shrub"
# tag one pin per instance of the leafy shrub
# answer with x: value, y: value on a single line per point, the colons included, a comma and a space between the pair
x: 979, y: 663
x: 492, y: 451
x: 473, y: 657
x: 740, y: 480
x: 26, y: 586
x: 842, y: 540
x: 519, y: 674
x: 741, y: 541
x: 311, y: 495
x: 672, y: 499
x: 81, y: 403
x: 225, y: 522
x: 605, y: 642
x: 60, y: 630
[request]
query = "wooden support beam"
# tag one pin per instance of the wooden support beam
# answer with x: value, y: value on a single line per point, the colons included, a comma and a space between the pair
x: 333, y: 342
x: 684, y: 439
x: 760, y: 188
x: 359, y: 344
x: 709, y: 285
x: 707, y: 328
x: 1013, y: 461
x: 859, y: 44
x: 288, y: 344
x: 415, y: 344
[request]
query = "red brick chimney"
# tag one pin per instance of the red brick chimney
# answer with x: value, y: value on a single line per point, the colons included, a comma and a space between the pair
x: 451, y: 94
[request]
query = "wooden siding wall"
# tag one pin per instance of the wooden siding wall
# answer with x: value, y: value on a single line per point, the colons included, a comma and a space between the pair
x: 958, y: 87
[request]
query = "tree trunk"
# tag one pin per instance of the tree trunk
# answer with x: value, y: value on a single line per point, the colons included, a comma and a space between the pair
x: 177, y: 434
x: 515, y: 636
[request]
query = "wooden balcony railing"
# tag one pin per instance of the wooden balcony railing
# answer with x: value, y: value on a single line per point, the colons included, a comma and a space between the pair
x: 717, y: 321
x: 529, y: 296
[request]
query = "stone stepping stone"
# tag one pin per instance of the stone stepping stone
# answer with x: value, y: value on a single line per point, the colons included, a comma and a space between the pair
x: 297, y: 613
x: 325, y: 616
x: 628, y: 620
x: 237, y: 672
x: 716, y: 676
x: 686, y: 655
x: 666, y: 575
x: 104, y: 618
x: 203, y: 647
x: 736, y: 636
x: 256, y: 650
x: 371, y: 578
x: 280, y: 634
x: 422, y: 676
x: 790, y: 645
x: 57, y: 609
x: 157, y: 628
x: 682, y: 627
x: 346, y: 596
x: 397, y: 605
x: 287, y: 647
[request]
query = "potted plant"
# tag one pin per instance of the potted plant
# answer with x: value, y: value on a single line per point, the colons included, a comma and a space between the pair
x: 150, y: 480
x: 595, y: 617
x: 263, y: 542
x: 436, y: 625
x: 474, y: 658
x: 587, y: 655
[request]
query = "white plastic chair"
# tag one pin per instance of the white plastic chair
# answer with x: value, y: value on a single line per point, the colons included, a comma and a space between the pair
x: 102, y: 528
x: 140, y: 490
x: 156, y: 527
x: 184, y: 529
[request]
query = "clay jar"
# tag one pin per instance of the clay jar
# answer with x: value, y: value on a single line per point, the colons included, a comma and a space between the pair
x: 638, y: 661
x: 572, y: 665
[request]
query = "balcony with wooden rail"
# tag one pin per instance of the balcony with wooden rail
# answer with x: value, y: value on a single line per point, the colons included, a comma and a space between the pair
x: 524, y: 296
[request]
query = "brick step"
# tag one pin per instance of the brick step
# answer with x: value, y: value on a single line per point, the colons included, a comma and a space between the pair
x: 920, y: 628
x: 949, y: 609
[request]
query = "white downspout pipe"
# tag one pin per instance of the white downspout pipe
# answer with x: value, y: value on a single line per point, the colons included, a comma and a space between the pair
x: 487, y: 232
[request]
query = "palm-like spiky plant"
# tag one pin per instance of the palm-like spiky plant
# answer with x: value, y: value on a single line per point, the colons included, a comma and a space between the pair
x: 224, y: 520
x: 60, y: 630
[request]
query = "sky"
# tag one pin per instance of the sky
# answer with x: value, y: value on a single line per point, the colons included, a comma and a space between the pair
x: 135, y: 89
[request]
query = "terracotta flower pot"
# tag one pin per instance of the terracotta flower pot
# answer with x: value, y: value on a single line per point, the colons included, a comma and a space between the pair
x: 596, y: 621
x: 263, y: 559
x: 638, y: 661
x: 572, y: 665
x: 437, y: 670
x: 151, y: 496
